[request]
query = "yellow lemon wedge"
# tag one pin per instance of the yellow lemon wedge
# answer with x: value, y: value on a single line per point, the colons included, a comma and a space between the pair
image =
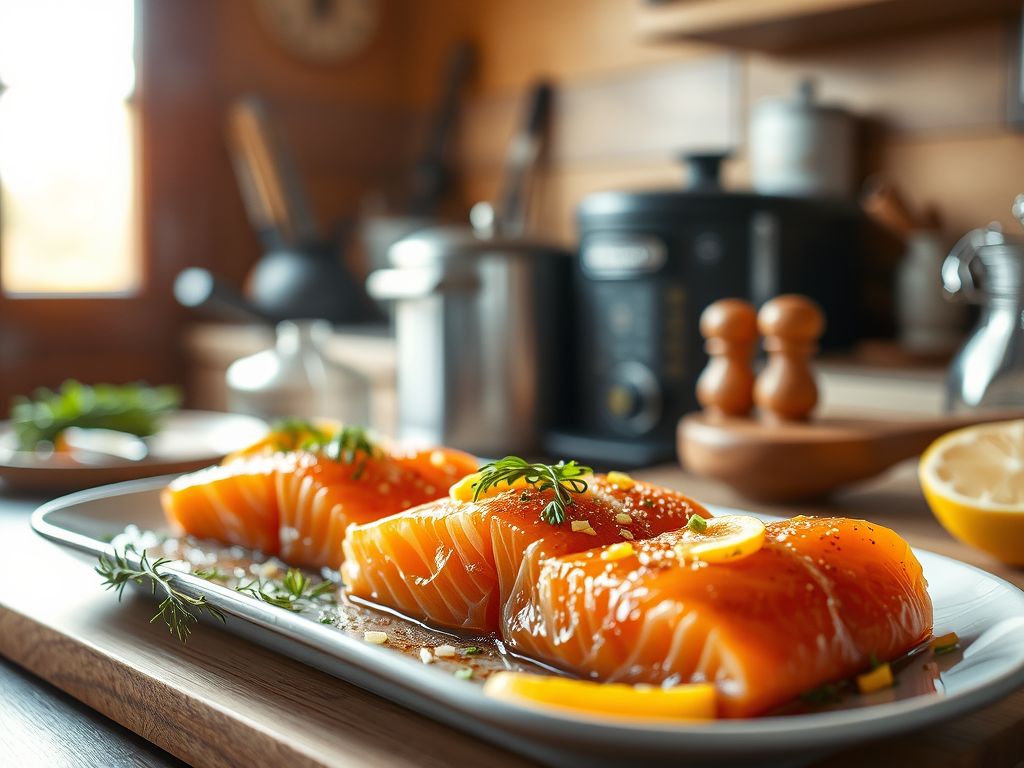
x: 463, y: 490
x: 687, y: 702
x: 973, y: 479
x: 725, y: 538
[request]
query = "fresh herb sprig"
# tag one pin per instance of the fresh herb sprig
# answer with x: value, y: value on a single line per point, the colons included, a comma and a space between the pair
x: 298, y: 434
x: 293, y: 593
x: 132, y: 408
x: 178, y: 610
x: 563, y: 478
x: 351, y: 443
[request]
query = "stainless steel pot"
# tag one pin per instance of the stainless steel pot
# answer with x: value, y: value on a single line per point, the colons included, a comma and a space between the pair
x: 477, y: 323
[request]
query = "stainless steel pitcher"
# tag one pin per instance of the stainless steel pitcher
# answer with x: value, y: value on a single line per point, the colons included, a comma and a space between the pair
x: 987, y: 267
x: 477, y: 323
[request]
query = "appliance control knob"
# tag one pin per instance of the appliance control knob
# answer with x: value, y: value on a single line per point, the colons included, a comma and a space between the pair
x: 632, y: 399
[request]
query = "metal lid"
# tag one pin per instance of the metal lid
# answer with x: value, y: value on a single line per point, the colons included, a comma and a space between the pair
x: 432, y: 245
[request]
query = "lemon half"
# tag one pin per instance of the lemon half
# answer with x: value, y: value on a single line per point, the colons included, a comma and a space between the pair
x: 973, y: 479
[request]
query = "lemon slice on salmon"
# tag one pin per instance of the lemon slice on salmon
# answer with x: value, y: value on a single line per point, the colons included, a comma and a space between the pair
x: 973, y: 479
x: 463, y: 490
x: 688, y: 702
x: 720, y: 539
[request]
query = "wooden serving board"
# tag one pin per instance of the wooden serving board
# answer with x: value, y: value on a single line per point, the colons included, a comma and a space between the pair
x: 221, y: 701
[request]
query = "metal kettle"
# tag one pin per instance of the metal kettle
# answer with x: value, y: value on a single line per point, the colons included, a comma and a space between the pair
x: 987, y: 267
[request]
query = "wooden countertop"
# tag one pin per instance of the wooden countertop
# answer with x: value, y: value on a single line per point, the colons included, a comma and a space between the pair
x: 220, y: 701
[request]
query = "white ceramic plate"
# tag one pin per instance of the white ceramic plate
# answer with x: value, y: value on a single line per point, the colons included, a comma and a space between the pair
x: 986, y: 612
x: 187, y: 440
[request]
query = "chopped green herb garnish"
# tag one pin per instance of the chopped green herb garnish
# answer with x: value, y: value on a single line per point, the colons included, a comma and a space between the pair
x: 563, y: 478
x: 177, y: 607
x: 647, y: 502
x: 940, y: 650
x: 473, y: 649
x: 697, y: 524
x: 873, y: 661
x: 826, y: 694
x: 465, y: 673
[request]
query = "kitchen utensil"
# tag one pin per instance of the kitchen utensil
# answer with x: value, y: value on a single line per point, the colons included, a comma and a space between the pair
x: 650, y: 262
x: 300, y: 275
x: 520, y: 163
x: 988, y: 371
x: 983, y: 610
x: 295, y: 380
x: 478, y: 317
x: 430, y: 177
x: 799, y: 147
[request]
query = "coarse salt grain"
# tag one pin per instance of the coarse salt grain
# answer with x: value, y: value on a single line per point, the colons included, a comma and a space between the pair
x: 374, y: 637
x: 426, y: 656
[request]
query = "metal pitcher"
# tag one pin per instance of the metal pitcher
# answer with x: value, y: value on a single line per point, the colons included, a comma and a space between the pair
x: 987, y: 267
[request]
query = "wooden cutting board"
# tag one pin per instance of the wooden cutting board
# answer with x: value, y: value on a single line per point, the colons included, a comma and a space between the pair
x: 220, y: 701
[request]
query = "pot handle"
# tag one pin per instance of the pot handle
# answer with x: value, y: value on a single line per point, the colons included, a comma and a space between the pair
x: 397, y: 284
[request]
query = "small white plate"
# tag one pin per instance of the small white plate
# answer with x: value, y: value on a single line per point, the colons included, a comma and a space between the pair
x: 986, y: 612
x: 187, y: 440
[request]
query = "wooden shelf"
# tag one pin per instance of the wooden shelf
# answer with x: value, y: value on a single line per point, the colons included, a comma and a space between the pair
x: 786, y: 25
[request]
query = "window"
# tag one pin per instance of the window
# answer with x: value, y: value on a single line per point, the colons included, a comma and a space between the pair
x: 68, y: 223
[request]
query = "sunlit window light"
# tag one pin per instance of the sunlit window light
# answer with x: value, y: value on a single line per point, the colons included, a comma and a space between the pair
x: 67, y: 148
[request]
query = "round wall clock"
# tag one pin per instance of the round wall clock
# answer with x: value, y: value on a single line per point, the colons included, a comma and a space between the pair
x: 322, y: 31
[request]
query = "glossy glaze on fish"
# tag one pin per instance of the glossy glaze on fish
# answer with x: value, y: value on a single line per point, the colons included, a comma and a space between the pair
x: 453, y: 563
x: 296, y: 504
x: 813, y: 605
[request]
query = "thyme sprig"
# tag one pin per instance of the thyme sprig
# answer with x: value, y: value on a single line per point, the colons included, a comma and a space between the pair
x: 563, y: 478
x: 293, y: 593
x: 178, y: 610
x: 350, y: 443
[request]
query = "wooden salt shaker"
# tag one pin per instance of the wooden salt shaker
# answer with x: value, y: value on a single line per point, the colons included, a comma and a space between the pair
x: 785, y: 389
x: 726, y: 385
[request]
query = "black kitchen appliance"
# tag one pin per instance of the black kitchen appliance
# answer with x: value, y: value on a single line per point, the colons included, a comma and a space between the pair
x: 650, y: 262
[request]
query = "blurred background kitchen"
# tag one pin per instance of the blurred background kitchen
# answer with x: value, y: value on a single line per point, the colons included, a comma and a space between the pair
x: 574, y: 180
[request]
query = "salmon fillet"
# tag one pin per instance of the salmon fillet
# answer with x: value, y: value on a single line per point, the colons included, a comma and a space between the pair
x: 810, y: 607
x: 452, y: 563
x: 297, y: 504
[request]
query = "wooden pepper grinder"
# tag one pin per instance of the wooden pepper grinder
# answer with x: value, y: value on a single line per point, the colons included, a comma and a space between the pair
x: 791, y: 324
x: 726, y: 385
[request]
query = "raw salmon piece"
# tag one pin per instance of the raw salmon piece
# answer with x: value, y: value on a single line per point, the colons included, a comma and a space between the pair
x: 810, y: 607
x: 234, y: 503
x: 451, y: 563
x: 296, y: 504
x: 320, y: 497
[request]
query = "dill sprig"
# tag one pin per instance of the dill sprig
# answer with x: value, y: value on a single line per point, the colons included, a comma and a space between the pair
x: 178, y: 610
x: 293, y: 593
x: 350, y: 443
x: 563, y: 478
